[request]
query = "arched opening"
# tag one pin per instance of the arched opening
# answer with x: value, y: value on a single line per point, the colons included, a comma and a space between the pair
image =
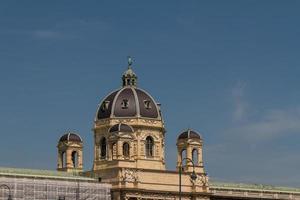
x: 195, y: 156
x: 75, y: 159
x: 64, y: 159
x: 183, y: 156
x: 5, y: 192
x: 103, y: 148
x: 126, y: 150
x: 149, y: 146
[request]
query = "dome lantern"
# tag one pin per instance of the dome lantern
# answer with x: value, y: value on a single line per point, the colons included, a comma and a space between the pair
x: 129, y: 78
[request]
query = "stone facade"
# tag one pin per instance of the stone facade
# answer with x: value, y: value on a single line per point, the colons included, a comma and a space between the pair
x: 129, y: 154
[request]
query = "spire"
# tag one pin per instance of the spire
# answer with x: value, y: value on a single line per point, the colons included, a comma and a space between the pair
x: 129, y: 78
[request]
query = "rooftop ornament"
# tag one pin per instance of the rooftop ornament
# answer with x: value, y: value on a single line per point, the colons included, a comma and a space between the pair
x: 130, y: 61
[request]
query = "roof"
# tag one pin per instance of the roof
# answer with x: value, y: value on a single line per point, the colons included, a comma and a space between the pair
x: 249, y: 186
x: 70, y: 137
x: 128, y: 102
x: 36, y: 173
x: 189, y: 134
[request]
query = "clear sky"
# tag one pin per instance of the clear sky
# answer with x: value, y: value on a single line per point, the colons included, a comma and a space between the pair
x: 228, y: 69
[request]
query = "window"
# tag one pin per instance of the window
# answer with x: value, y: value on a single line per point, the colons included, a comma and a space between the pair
x: 104, y: 106
x: 195, y: 156
x: 103, y: 148
x: 147, y: 104
x: 124, y: 104
x: 126, y: 150
x: 149, y: 146
x: 75, y: 159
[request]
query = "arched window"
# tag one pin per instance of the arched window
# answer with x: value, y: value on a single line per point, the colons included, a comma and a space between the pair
x: 126, y: 150
x: 149, y: 146
x: 75, y: 159
x: 183, y: 156
x: 103, y: 148
x: 195, y: 156
x: 63, y: 159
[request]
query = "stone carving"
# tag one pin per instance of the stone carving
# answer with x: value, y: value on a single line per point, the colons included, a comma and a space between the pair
x: 134, y: 148
x: 129, y: 175
x: 202, y: 180
x: 114, y: 150
x: 142, y: 147
x: 125, y: 120
x: 149, y: 121
x: 141, y: 196
x: 157, y: 149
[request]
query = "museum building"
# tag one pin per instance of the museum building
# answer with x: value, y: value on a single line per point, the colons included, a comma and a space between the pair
x: 129, y: 160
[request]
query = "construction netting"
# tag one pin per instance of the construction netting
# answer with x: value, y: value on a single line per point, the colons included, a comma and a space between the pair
x: 40, y: 189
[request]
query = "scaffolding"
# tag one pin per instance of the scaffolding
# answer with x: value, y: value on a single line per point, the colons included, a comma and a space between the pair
x: 29, y: 188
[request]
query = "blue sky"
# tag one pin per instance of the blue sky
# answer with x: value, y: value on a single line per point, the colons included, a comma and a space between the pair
x: 228, y: 69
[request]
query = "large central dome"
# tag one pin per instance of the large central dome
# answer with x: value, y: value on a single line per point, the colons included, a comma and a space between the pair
x: 128, y: 101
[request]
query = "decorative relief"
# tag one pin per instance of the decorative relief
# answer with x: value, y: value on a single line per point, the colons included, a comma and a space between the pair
x: 157, y: 149
x: 100, y: 122
x: 142, y: 196
x: 134, y: 148
x: 143, y: 147
x: 201, y: 180
x: 114, y: 151
x: 148, y: 121
x: 129, y: 175
x: 124, y: 120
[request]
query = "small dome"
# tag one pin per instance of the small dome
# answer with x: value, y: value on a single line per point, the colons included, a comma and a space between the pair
x: 189, y: 134
x: 120, y: 128
x: 72, y: 137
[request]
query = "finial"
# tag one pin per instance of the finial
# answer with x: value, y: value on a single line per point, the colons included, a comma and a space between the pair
x: 130, y: 61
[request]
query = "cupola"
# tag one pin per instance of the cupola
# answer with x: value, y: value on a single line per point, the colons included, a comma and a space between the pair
x: 129, y: 78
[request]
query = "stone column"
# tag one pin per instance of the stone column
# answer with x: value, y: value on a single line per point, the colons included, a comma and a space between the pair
x: 200, y: 158
x: 59, y: 160
x: 69, y: 158
x: 109, y: 151
x: 119, y: 150
x: 80, y: 159
x: 179, y: 157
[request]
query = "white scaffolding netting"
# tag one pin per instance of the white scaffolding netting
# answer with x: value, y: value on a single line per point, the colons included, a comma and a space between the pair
x: 40, y: 189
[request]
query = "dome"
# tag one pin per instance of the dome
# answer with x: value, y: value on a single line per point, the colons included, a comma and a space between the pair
x: 120, y: 128
x: 128, y: 101
x: 189, y: 134
x: 72, y: 137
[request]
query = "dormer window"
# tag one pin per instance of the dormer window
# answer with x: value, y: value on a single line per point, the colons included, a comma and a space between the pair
x: 147, y: 104
x: 124, y: 104
x: 104, y: 106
